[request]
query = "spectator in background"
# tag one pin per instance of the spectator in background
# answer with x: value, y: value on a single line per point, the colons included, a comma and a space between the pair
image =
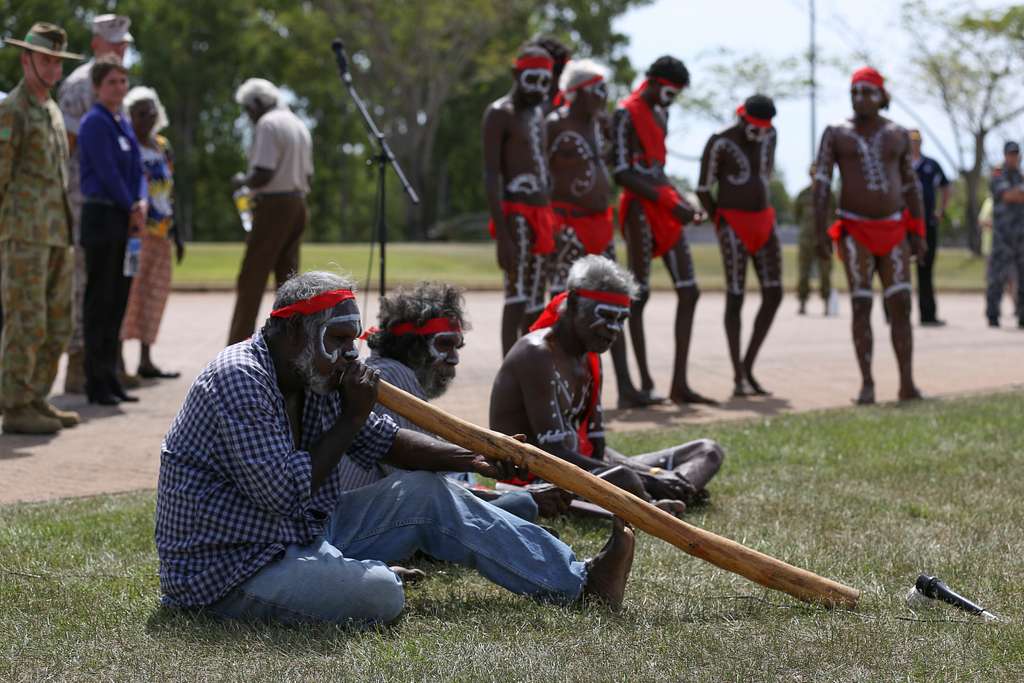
x: 807, y: 250
x: 35, y: 232
x: 114, y: 191
x: 930, y: 174
x: 76, y: 96
x: 151, y: 284
x: 280, y: 167
x: 1007, y: 188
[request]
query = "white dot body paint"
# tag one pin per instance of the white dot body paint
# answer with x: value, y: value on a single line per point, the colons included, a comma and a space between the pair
x: 352, y: 353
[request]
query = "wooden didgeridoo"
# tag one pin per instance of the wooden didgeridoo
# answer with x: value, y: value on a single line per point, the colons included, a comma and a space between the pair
x: 717, y: 550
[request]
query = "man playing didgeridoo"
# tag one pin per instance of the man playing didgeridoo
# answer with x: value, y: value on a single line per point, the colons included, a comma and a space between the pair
x: 549, y: 388
x: 739, y: 160
x: 652, y: 214
x: 582, y: 190
x: 416, y: 348
x: 880, y: 220
x: 250, y: 518
x: 518, y: 190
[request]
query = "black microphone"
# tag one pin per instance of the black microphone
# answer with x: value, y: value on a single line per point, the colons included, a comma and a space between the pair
x: 933, y: 587
x: 339, y: 55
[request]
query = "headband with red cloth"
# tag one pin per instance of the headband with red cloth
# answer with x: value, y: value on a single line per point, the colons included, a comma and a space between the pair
x: 432, y: 326
x: 560, y: 95
x: 320, y: 302
x: 753, y: 120
x: 535, y: 62
x: 550, y: 315
x: 868, y: 75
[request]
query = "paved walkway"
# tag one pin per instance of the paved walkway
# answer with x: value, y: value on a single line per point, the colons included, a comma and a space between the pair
x: 807, y: 361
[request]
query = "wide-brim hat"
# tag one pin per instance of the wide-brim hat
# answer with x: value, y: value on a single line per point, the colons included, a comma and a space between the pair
x: 47, y: 39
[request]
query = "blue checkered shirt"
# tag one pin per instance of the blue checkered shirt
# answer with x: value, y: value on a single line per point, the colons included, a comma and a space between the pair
x: 234, y: 491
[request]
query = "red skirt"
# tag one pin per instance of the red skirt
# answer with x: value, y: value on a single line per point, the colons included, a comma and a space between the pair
x: 665, y: 227
x: 879, y: 236
x: 595, y: 230
x: 752, y: 227
x: 541, y: 219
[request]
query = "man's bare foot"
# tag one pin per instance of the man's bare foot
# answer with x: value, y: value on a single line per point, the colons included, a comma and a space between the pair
x: 754, y: 386
x: 672, y: 507
x: 741, y: 389
x: 688, y: 395
x: 913, y: 394
x: 551, y: 501
x: 409, y: 576
x: 608, y: 571
x: 638, y: 399
x: 866, y: 396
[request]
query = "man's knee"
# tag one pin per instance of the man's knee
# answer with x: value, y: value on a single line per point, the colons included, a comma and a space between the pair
x: 688, y: 295
x: 713, y: 452
x: 388, y: 596
x: 733, y: 304
x: 771, y: 296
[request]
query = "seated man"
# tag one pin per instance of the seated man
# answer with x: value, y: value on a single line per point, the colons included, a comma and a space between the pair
x: 417, y: 350
x: 251, y: 521
x: 557, y: 365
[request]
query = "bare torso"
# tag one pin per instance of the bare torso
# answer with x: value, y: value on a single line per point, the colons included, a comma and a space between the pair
x: 575, y: 154
x: 869, y: 159
x: 740, y: 167
x: 628, y: 153
x: 524, y: 170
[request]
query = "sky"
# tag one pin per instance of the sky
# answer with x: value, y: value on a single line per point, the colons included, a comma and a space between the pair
x: 779, y: 29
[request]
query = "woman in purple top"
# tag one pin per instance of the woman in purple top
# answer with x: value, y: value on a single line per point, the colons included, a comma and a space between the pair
x: 114, y: 188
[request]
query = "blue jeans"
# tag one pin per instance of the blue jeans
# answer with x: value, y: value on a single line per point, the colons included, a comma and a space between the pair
x: 343, y: 576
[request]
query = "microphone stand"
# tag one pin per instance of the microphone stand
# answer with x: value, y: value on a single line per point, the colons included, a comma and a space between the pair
x: 381, y: 159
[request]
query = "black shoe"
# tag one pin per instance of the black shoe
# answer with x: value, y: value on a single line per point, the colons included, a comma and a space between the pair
x: 104, y: 399
x: 126, y: 398
x: 1020, y: 324
x: 935, y: 322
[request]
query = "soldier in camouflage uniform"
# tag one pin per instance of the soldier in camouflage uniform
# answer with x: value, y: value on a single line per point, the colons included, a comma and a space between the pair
x: 35, y: 233
x: 76, y: 96
x: 807, y: 254
x: 1007, y: 187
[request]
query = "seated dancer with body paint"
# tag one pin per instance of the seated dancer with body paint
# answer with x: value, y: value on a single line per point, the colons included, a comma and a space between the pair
x: 739, y: 160
x: 416, y: 349
x: 549, y: 388
x: 582, y: 190
x: 880, y: 220
x: 518, y: 190
x: 652, y: 214
x: 251, y: 521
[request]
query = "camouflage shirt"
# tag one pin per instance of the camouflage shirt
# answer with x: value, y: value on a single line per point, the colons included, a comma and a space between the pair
x: 76, y: 98
x: 33, y: 171
x: 1007, y: 217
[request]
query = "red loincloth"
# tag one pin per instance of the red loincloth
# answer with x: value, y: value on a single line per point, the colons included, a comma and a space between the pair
x: 879, y: 236
x: 595, y: 230
x: 752, y: 227
x: 541, y: 219
x: 665, y: 227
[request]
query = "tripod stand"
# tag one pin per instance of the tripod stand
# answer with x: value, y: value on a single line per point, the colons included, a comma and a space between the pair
x: 381, y: 159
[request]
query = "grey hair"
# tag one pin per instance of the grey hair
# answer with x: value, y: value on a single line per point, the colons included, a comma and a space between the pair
x: 258, y: 92
x: 599, y: 273
x: 577, y: 71
x: 141, y: 93
x: 305, y: 286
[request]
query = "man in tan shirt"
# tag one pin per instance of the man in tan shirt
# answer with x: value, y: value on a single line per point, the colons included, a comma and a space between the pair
x: 280, y: 166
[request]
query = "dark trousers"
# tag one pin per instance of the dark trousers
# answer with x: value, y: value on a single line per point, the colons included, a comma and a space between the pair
x: 273, y: 245
x: 104, y: 236
x: 926, y: 275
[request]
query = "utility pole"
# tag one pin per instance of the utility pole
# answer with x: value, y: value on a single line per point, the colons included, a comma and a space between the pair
x: 814, y: 87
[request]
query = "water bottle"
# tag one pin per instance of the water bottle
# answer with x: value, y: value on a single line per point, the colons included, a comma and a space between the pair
x: 243, y: 203
x: 832, y: 310
x: 131, y: 256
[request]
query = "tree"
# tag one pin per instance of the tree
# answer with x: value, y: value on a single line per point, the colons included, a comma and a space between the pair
x: 973, y: 73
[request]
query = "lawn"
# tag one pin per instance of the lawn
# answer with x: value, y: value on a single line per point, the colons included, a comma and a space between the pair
x: 870, y: 497
x: 472, y: 265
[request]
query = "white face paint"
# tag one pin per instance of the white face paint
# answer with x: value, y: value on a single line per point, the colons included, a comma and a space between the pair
x: 451, y: 341
x: 861, y: 91
x: 535, y: 80
x: 756, y: 133
x: 352, y: 353
x: 610, y: 316
x: 667, y: 94
x: 599, y: 89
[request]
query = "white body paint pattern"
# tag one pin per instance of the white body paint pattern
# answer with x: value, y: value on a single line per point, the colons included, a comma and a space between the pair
x: 622, y: 159
x: 870, y: 155
x: 742, y: 177
x: 579, y: 186
x: 620, y: 314
x: 561, y: 404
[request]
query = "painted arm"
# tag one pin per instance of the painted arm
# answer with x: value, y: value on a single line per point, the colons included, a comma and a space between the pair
x: 909, y: 183
x: 708, y: 176
x: 822, y: 189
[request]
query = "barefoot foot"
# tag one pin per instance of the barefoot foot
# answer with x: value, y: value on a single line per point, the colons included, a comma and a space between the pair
x: 688, y: 395
x: 638, y: 399
x: 913, y: 394
x: 866, y: 396
x: 409, y: 576
x: 754, y: 386
x: 609, y: 570
x: 672, y: 507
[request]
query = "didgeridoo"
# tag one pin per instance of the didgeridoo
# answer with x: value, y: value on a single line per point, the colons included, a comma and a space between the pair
x: 718, y: 550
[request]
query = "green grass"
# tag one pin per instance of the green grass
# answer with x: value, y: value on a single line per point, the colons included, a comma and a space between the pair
x: 473, y: 265
x: 870, y: 497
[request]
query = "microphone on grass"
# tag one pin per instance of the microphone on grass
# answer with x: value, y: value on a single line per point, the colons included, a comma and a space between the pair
x: 339, y: 55
x: 931, y: 587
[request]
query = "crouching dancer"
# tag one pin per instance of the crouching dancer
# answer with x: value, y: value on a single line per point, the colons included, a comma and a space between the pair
x: 250, y: 518
x: 549, y: 388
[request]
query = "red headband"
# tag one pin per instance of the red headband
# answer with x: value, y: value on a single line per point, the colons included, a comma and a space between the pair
x: 753, y: 120
x: 613, y: 298
x: 665, y: 81
x: 432, y: 326
x: 534, y: 62
x: 868, y: 75
x: 590, y: 81
x: 320, y: 302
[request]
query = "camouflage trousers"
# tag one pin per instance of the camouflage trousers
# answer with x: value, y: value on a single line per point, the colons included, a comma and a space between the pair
x: 1007, y: 259
x: 77, y: 342
x: 35, y: 285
